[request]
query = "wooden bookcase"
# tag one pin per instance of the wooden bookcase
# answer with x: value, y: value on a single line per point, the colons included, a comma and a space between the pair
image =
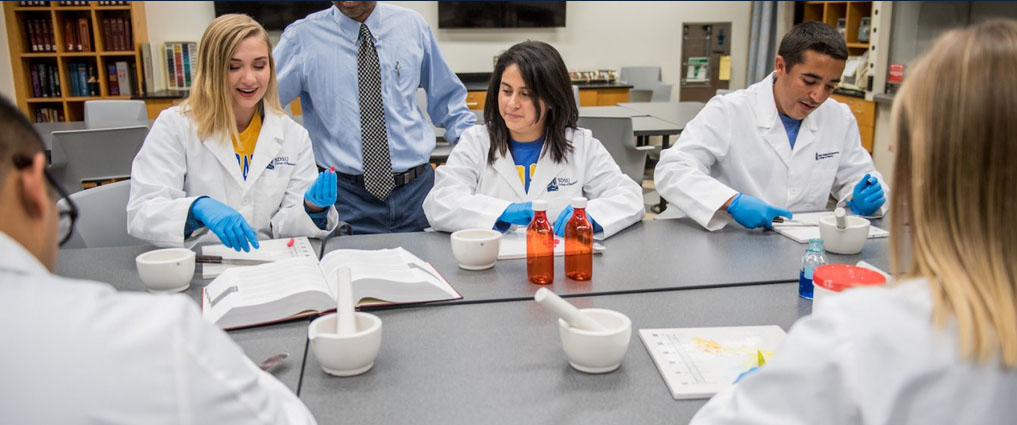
x: 22, y: 57
x: 852, y: 12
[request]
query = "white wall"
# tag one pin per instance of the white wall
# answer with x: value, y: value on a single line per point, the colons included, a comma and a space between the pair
x: 6, y: 72
x: 174, y: 21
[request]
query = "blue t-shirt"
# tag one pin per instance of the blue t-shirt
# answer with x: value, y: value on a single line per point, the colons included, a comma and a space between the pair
x: 525, y: 156
x: 791, y: 126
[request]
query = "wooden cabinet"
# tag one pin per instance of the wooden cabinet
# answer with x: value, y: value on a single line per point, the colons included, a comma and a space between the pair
x: 44, y: 78
x: 603, y: 97
x: 476, y: 99
x: 865, y: 113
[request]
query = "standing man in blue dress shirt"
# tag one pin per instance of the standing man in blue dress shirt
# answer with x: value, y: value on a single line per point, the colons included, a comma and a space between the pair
x: 356, y: 68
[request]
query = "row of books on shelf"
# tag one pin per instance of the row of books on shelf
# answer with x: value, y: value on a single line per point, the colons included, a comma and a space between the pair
x: 181, y: 63
x: 40, y: 35
x: 77, y: 35
x: 73, y: 3
x: 33, y: 3
x: 45, y: 80
x: 114, y: 3
x: 117, y: 34
x: 48, y: 114
x: 83, y: 79
x: 120, y: 76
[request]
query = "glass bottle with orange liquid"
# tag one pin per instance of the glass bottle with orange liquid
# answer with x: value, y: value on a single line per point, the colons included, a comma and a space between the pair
x: 540, y: 246
x: 579, y: 243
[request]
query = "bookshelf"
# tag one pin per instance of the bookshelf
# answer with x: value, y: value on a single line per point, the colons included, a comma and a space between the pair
x: 847, y: 16
x: 50, y: 43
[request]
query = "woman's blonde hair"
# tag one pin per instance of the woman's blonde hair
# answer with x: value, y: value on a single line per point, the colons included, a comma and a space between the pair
x: 955, y: 185
x: 211, y: 100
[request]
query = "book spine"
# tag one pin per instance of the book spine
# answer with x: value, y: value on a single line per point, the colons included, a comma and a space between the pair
x: 146, y: 67
x: 187, y: 63
x: 82, y: 80
x: 72, y: 77
x: 43, y: 36
x: 128, y: 35
x: 123, y: 78
x: 68, y: 35
x: 86, y: 42
x: 93, y: 81
x: 54, y: 78
x: 179, y: 61
x: 111, y: 76
x: 194, y: 58
x: 33, y: 38
x: 171, y: 78
x: 36, y: 89
x: 132, y: 83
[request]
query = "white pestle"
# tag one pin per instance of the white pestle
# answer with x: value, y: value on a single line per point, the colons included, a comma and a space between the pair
x: 345, y: 321
x: 575, y: 317
x: 840, y: 215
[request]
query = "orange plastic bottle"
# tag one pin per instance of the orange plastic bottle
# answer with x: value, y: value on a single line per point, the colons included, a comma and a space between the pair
x: 540, y: 246
x: 579, y: 243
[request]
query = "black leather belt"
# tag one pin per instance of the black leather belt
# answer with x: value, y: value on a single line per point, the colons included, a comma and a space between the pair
x: 400, y: 178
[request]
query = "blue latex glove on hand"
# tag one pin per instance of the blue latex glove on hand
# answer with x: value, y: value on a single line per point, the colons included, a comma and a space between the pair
x: 322, y: 192
x: 752, y: 213
x: 565, y: 216
x: 226, y: 223
x: 519, y: 213
x: 867, y: 197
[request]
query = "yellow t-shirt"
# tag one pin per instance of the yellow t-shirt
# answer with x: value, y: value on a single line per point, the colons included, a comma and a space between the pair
x: 244, y: 147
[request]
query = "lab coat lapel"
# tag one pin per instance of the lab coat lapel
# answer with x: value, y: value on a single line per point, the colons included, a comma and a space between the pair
x: 547, y: 170
x: 506, y: 168
x: 223, y: 151
x: 806, y: 134
x: 269, y: 143
x: 768, y: 123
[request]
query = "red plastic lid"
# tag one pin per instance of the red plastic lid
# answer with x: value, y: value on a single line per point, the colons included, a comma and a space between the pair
x: 838, y: 277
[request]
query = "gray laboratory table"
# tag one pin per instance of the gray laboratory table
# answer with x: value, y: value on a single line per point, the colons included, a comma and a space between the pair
x: 652, y: 255
x: 116, y: 266
x: 502, y: 363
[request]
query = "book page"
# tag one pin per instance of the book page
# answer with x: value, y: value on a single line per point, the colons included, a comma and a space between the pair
x: 270, y: 250
x: 699, y: 362
x: 258, y: 290
x: 393, y: 275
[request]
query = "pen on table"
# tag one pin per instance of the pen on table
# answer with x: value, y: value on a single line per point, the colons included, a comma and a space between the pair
x: 789, y: 222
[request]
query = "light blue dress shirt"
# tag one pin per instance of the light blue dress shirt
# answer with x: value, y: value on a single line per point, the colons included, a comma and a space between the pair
x: 316, y: 59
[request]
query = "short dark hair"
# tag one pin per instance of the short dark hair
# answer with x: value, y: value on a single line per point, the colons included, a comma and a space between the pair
x: 812, y: 35
x: 17, y: 136
x: 547, y: 79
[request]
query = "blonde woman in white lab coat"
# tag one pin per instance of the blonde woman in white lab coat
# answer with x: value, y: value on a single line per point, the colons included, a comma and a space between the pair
x: 779, y: 146
x: 940, y: 346
x: 228, y: 165
x: 530, y: 150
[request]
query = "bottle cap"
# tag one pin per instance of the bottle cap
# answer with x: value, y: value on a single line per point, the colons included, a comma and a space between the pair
x: 815, y: 245
x: 838, y: 277
x: 579, y: 202
x: 540, y: 205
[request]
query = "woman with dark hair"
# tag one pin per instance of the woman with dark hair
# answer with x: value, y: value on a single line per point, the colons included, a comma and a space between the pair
x: 530, y: 149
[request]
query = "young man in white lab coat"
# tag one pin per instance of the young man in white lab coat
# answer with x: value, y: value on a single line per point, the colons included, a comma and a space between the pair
x: 78, y: 352
x: 778, y: 146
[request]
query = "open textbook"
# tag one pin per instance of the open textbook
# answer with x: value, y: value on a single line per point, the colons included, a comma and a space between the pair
x: 513, y: 245
x: 805, y: 226
x: 699, y: 362
x: 301, y: 286
x: 270, y: 250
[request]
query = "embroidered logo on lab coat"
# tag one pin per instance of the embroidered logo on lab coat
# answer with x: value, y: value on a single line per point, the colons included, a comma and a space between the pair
x: 821, y: 156
x: 565, y: 181
x: 279, y: 160
x: 553, y: 186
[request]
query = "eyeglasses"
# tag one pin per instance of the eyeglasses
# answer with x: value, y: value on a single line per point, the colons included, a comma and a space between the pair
x: 67, y: 211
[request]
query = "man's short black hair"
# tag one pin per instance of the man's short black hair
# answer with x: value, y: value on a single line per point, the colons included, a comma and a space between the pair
x: 17, y: 136
x: 812, y: 35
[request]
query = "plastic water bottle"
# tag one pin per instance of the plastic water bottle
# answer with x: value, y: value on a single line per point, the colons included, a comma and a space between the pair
x: 579, y: 243
x: 814, y: 257
x: 540, y: 246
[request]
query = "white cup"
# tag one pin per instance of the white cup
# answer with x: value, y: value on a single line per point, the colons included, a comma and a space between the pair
x: 166, y: 270
x: 848, y: 240
x: 476, y: 249
x: 345, y: 355
x: 597, y: 352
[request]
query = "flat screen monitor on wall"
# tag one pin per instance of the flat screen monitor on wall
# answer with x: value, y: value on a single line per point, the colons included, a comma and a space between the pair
x: 501, y: 14
x: 273, y: 15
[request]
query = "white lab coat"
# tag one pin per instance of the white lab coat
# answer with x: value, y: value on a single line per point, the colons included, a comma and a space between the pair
x: 78, y: 352
x: 469, y: 193
x: 737, y: 143
x: 871, y: 356
x: 175, y: 167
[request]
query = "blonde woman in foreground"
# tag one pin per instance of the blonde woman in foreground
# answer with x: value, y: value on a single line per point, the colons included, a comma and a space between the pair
x: 939, y: 346
x: 228, y: 162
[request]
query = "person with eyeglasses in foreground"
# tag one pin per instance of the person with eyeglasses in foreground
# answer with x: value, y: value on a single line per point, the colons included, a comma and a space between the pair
x: 940, y: 345
x: 77, y: 352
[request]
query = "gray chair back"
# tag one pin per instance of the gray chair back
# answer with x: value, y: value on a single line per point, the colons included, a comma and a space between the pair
x: 115, y: 113
x: 95, y: 154
x: 575, y: 94
x: 102, y: 218
x: 615, y: 133
x: 646, y: 84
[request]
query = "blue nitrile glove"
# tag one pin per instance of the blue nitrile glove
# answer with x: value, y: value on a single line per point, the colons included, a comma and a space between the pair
x: 752, y: 213
x: 226, y: 223
x: 322, y: 193
x: 563, y: 220
x: 744, y: 374
x: 520, y: 213
x: 868, y: 196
